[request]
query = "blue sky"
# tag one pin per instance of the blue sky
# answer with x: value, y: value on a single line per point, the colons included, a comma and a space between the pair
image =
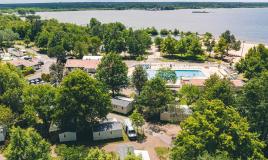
x: 44, y: 1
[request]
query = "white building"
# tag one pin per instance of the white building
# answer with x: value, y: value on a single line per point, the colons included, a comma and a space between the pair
x: 107, y: 130
x: 3, y: 132
x: 59, y: 135
x: 92, y: 58
x: 67, y: 136
x: 122, y: 105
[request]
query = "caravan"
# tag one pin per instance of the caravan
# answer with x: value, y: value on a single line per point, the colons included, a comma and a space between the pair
x: 129, y: 129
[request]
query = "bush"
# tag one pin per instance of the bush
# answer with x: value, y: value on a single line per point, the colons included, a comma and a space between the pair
x: 71, y: 153
x: 27, y: 71
x: 45, y: 77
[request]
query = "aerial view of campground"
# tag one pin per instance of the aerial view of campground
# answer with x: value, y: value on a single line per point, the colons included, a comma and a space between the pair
x: 133, y: 80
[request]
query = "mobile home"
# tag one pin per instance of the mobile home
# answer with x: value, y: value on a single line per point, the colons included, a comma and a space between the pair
x: 122, y: 105
x: 107, y: 130
x: 3, y: 132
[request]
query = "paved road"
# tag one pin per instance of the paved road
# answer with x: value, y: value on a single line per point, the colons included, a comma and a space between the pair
x: 44, y: 68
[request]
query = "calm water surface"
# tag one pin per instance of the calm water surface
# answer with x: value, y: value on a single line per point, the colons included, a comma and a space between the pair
x: 247, y: 24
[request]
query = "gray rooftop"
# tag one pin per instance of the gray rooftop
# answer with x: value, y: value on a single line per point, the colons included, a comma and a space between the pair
x: 107, y: 126
x: 121, y: 101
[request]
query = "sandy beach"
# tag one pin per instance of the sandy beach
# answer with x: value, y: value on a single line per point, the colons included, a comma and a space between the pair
x: 243, y: 51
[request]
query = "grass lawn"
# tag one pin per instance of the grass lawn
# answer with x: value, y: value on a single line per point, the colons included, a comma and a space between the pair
x: 162, y: 153
x: 188, y: 57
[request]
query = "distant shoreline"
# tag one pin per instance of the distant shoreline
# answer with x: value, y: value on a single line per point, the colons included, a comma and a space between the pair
x: 151, y: 6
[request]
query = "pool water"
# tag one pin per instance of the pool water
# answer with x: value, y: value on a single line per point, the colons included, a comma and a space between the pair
x: 179, y: 73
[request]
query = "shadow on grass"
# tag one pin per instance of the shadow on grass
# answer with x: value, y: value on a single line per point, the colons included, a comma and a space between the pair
x: 187, y: 57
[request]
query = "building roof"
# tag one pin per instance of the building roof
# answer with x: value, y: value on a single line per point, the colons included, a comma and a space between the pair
x: 79, y: 63
x: 25, y: 63
x: 238, y: 83
x: 121, y: 101
x: 195, y: 82
x: 92, y: 57
x: 108, y: 126
x: 123, y: 150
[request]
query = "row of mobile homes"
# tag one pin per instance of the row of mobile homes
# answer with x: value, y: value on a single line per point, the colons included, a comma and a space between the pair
x: 122, y: 105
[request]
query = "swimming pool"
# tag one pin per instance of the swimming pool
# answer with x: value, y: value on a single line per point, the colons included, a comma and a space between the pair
x: 179, y: 73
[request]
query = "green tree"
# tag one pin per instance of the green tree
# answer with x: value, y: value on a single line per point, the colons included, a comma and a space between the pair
x: 137, y: 42
x: 113, y: 37
x: 58, y: 52
x: 154, y: 97
x: 139, y: 77
x: 157, y: 42
x: 209, y: 42
x: 152, y: 31
x: 80, y: 50
x: 94, y: 45
x: 217, y: 88
x: 11, y: 86
x: 216, y: 156
x: 215, y: 127
x: 176, y: 32
x: 7, y: 36
x: 112, y: 71
x: 27, y: 41
x: 133, y: 157
x: 227, y: 42
x: 72, y: 152
x: 78, y: 106
x: 56, y: 73
x: 254, y: 62
x: 164, y: 32
x: 137, y: 119
x: 167, y: 74
x: 98, y: 154
x: 6, y: 117
x: 253, y: 104
x: 40, y: 100
x: 189, y: 94
x: 27, y: 145
x: 168, y: 45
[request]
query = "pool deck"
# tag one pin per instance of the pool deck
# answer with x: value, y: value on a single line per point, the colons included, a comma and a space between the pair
x: 207, y: 69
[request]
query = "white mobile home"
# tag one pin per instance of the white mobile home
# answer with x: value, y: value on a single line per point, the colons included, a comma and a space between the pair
x: 107, y: 130
x: 3, y: 132
x: 122, y: 105
x: 59, y: 135
x: 67, y: 136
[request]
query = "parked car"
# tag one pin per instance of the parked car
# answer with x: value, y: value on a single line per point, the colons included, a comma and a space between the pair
x: 129, y: 129
x: 36, y: 81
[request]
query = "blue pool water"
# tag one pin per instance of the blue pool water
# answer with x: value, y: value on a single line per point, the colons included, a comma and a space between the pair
x: 179, y: 73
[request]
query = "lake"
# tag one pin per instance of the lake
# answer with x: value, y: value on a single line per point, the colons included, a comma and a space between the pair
x: 249, y: 25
